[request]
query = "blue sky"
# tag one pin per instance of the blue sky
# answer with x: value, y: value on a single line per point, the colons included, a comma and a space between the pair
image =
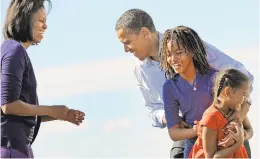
x: 81, y: 63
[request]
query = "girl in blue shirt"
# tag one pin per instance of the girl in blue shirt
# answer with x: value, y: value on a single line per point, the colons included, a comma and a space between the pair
x: 188, y: 90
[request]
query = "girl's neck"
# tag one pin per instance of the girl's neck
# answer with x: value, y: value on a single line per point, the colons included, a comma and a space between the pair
x: 222, y: 107
x: 190, y: 74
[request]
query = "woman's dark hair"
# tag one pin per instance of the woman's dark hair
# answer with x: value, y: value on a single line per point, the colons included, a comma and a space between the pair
x: 18, y: 18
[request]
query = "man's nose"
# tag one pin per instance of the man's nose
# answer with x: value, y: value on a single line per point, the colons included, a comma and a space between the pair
x: 127, y: 49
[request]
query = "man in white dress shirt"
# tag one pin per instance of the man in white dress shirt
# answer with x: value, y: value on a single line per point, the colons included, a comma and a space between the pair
x: 136, y: 30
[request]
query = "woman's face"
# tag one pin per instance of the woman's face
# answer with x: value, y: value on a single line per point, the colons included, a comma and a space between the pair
x: 38, y: 25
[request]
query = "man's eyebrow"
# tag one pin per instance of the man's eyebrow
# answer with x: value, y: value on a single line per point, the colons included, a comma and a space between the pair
x: 125, y: 41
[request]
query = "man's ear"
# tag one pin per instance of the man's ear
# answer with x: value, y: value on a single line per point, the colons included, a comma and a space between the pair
x: 145, y: 31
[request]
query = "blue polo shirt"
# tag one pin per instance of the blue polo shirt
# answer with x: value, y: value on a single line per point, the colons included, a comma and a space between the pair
x: 179, y: 95
x: 18, y: 82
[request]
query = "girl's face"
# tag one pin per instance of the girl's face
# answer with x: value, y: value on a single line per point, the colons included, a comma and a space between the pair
x: 238, y: 96
x: 178, y: 58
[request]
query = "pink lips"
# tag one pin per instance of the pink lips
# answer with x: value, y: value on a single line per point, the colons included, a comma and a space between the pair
x: 177, y: 65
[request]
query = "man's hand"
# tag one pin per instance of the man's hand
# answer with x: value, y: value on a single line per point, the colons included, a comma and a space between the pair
x: 240, y: 115
x: 229, y: 127
x: 227, y: 141
x: 239, y: 134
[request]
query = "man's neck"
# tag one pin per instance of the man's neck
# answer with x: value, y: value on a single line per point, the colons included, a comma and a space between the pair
x: 155, y: 43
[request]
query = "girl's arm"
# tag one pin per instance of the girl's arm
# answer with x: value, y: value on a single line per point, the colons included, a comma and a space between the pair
x: 171, y: 108
x: 209, y: 139
x: 177, y: 133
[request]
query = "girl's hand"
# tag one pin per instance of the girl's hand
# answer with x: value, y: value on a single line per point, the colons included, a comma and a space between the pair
x: 238, y: 136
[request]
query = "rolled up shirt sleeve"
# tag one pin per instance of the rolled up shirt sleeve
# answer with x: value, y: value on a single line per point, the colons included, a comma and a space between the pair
x: 155, y: 106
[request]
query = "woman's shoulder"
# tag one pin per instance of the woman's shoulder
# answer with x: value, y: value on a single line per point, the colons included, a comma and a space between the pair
x: 11, y: 42
x: 12, y: 48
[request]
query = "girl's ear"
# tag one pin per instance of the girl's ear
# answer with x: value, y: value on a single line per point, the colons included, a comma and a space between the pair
x: 228, y: 92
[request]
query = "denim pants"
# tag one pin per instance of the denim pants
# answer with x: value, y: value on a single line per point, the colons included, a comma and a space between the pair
x: 188, y: 144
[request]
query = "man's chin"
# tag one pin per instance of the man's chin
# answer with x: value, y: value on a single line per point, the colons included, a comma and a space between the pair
x: 140, y: 58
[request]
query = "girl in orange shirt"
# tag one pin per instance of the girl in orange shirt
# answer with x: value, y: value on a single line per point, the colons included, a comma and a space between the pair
x: 231, y: 90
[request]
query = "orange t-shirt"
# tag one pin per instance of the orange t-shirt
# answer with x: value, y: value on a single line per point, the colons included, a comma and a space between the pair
x: 214, y: 120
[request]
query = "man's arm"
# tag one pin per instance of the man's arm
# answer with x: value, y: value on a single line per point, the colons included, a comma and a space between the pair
x: 156, y: 109
x: 219, y: 60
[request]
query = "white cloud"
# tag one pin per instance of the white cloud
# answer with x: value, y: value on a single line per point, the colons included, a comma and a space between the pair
x: 108, y: 126
x: 116, y: 125
x: 86, y: 77
x: 108, y: 75
x: 247, y: 56
x: 62, y: 127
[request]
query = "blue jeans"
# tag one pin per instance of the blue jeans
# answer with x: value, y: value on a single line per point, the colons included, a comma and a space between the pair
x: 188, y: 144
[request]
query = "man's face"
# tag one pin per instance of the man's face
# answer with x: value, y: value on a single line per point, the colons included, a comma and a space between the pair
x: 136, y: 43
